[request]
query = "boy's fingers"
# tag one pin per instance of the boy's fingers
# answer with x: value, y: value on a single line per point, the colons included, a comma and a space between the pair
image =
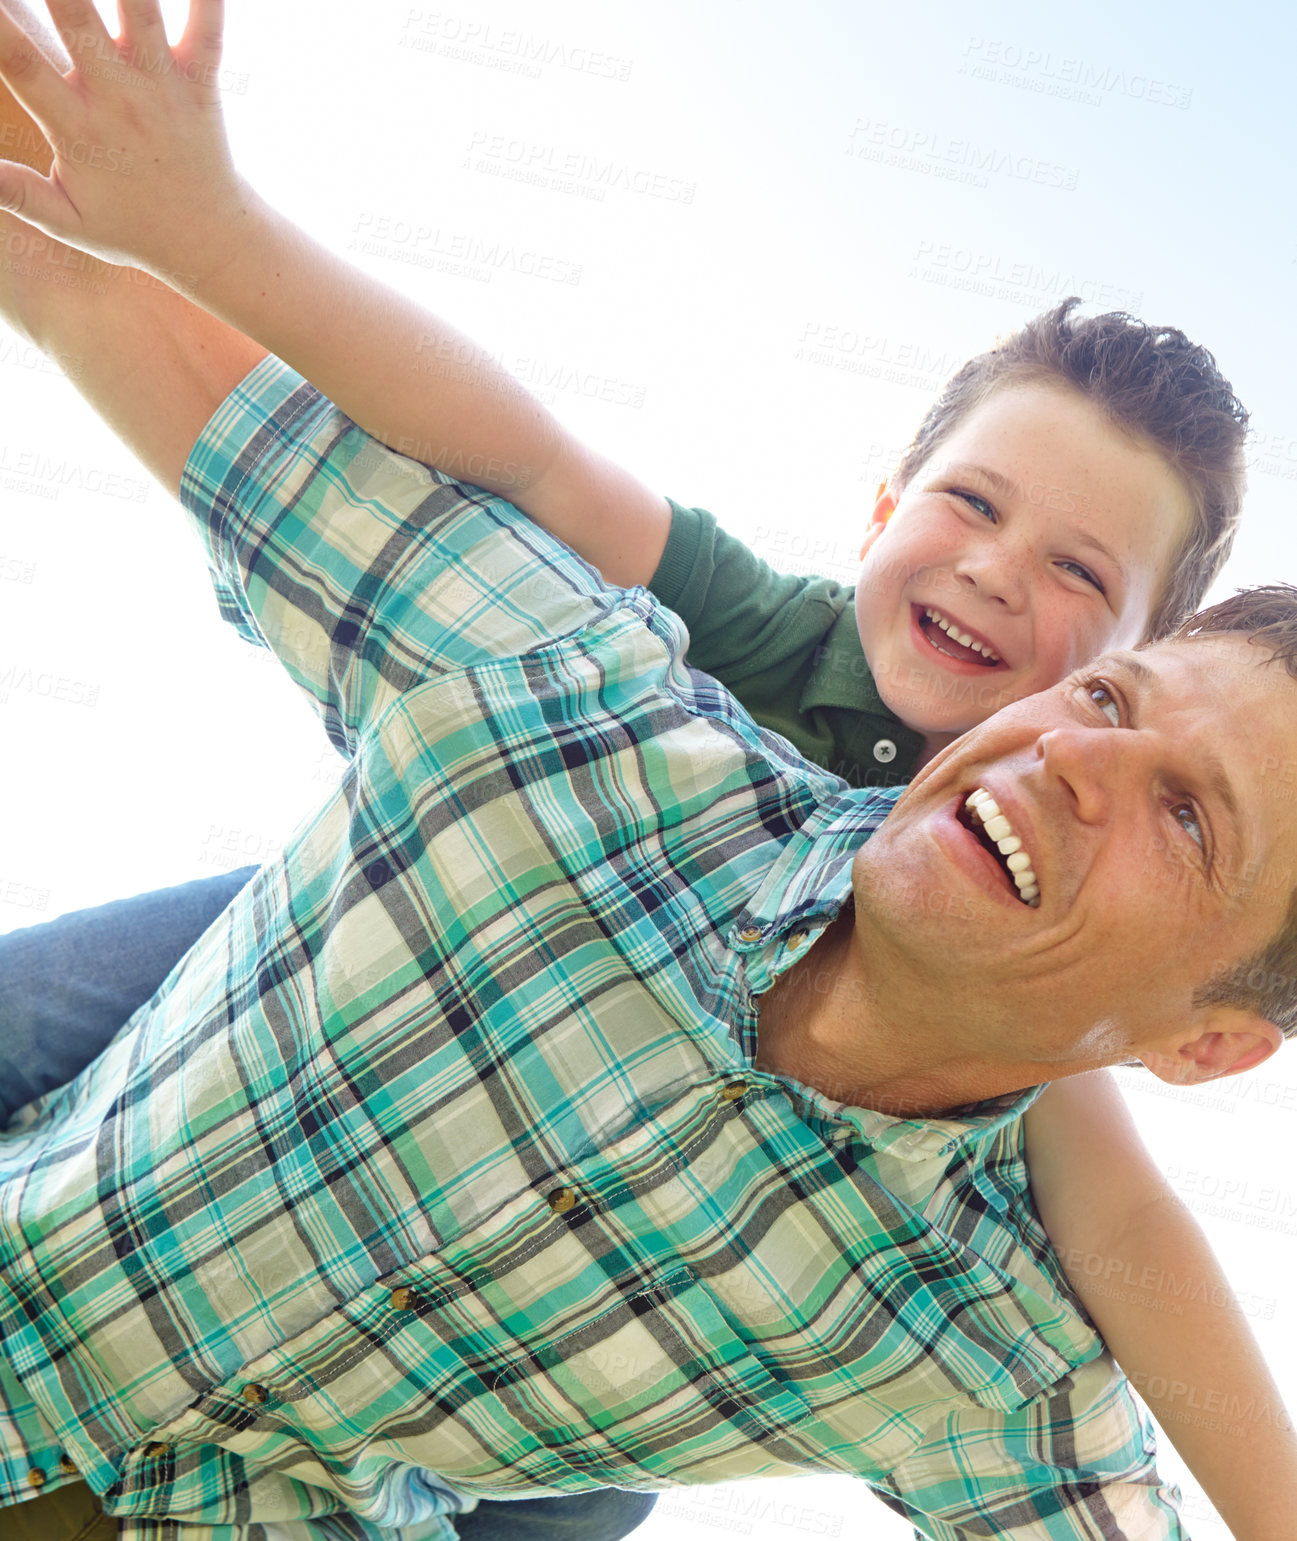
x: 38, y: 29
x: 20, y: 139
x: 141, y: 22
x: 80, y: 26
x: 34, y: 81
x: 202, y: 40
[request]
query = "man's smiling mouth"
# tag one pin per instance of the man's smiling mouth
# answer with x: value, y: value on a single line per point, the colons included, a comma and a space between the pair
x: 981, y: 814
x: 948, y: 637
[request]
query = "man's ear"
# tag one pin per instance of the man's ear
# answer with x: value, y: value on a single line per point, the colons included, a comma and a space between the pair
x: 1227, y: 1041
x: 884, y: 508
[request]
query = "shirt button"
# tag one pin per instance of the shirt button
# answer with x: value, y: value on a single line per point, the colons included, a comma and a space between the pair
x: 36, y: 1478
x: 255, y: 1394
x: 155, y: 1448
x: 561, y: 1200
x: 750, y: 934
x: 884, y: 751
x: 403, y: 1300
x: 797, y: 939
x: 734, y: 1091
x: 67, y: 1466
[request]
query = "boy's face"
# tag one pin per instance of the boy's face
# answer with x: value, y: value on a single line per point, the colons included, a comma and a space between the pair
x: 1036, y: 529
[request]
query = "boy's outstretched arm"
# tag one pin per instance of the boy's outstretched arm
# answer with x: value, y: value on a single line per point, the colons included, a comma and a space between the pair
x: 152, y: 364
x: 142, y: 175
x: 1148, y: 1277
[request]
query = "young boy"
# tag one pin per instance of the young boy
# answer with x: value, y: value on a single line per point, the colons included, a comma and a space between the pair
x: 1046, y: 511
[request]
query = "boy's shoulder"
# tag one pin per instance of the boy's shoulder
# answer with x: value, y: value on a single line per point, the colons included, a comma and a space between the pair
x: 870, y: 743
x: 788, y: 646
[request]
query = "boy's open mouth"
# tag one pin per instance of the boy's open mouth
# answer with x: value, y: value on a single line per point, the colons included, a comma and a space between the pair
x: 981, y: 815
x: 947, y: 637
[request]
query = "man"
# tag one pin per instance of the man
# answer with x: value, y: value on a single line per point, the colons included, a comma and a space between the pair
x: 452, y: 1160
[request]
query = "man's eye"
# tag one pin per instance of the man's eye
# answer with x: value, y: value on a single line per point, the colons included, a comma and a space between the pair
x: 979, y: 505
x: 1186, y: 815
x: 1107, y: 703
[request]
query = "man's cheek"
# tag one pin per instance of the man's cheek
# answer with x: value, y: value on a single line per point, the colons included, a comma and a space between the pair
x: 951, y: 904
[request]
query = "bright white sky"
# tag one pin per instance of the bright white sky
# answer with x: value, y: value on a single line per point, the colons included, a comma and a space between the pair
x: 818, y: 212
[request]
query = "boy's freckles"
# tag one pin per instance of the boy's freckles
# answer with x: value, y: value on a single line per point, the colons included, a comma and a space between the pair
x: 1037, y: 534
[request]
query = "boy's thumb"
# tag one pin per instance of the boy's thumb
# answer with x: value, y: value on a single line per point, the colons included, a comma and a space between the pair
x: 31, y: 198
x: 15, y: 194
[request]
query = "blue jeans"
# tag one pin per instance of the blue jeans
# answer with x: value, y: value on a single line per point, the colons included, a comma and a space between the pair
x: 66, y: 987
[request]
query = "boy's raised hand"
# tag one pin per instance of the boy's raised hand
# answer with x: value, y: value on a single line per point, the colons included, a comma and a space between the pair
x: 142, y: 172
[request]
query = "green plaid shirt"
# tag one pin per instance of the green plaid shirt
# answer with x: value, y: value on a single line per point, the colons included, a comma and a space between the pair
x: 439, y: 1167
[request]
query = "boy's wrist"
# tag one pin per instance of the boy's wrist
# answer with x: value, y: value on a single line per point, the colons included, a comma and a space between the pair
x: 227, y: 234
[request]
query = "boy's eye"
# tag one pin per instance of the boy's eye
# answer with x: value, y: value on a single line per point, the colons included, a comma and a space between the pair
x: 1107, y: 703
x: 1084, y: 574
x: 978, y: 504
x: 1186, y: 815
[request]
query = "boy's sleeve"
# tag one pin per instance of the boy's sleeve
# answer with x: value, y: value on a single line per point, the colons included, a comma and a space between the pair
x: 757, y: 630
x: 1074, y: 1465
x: 366, y: 572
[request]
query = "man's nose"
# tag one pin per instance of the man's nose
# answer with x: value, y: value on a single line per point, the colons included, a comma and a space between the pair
x: 1096, y: 767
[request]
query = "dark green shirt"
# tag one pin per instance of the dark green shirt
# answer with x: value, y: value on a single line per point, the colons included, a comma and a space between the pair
x: 789, y: 649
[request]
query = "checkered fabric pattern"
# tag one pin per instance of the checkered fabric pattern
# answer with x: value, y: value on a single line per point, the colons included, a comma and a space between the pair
x: 440, y: 1167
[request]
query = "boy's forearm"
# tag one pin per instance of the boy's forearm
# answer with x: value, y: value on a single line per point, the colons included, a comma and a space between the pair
x: 406, y: 377
x: 428, y: 391
x: 152, y: 365
x: 1167, y: 1312
x: 185, y: 215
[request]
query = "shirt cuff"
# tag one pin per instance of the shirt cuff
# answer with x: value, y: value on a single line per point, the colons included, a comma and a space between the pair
x: 680, y: 557
x: 263, y: 410
x: 244, y: 413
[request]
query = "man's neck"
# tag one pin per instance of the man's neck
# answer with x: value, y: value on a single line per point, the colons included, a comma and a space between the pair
x: 826, y: 1024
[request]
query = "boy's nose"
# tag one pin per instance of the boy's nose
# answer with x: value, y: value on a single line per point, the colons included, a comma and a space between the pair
x: 996, y: 570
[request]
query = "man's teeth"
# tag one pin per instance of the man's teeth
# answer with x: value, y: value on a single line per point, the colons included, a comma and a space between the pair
x: 962, y: 637
x: 998, y: 829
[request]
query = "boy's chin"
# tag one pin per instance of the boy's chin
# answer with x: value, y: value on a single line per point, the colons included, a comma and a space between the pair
x: 916, y: 710
x: 944, y: 706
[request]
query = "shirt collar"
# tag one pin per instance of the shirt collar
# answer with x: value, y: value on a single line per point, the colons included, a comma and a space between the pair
x: 921, y: 1139
x: 803, y: 891
x: 841, y: 675
x: 811, y: 877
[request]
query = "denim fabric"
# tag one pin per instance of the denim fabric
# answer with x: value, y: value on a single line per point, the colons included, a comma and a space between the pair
x: 67, y: 986
x: 73, y: 1514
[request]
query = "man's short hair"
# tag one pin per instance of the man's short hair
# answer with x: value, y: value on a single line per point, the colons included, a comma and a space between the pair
x: 1266, y: 983
x: 1150, y: 381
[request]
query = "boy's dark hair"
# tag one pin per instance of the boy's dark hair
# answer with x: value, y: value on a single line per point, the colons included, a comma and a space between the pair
x: 1150, y: 381
x: 1266, y: 983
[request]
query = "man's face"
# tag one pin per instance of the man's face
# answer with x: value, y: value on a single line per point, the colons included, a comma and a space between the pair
x: 1038, y: 530
x: 1145, y: 793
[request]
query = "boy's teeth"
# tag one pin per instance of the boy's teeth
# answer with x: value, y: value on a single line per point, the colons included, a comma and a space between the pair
x: 962, y: 637
x: 998, y: 829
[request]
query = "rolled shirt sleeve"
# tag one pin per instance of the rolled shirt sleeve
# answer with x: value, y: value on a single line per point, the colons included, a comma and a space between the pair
x: 365, y: 572
x: 1076, y: 1465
